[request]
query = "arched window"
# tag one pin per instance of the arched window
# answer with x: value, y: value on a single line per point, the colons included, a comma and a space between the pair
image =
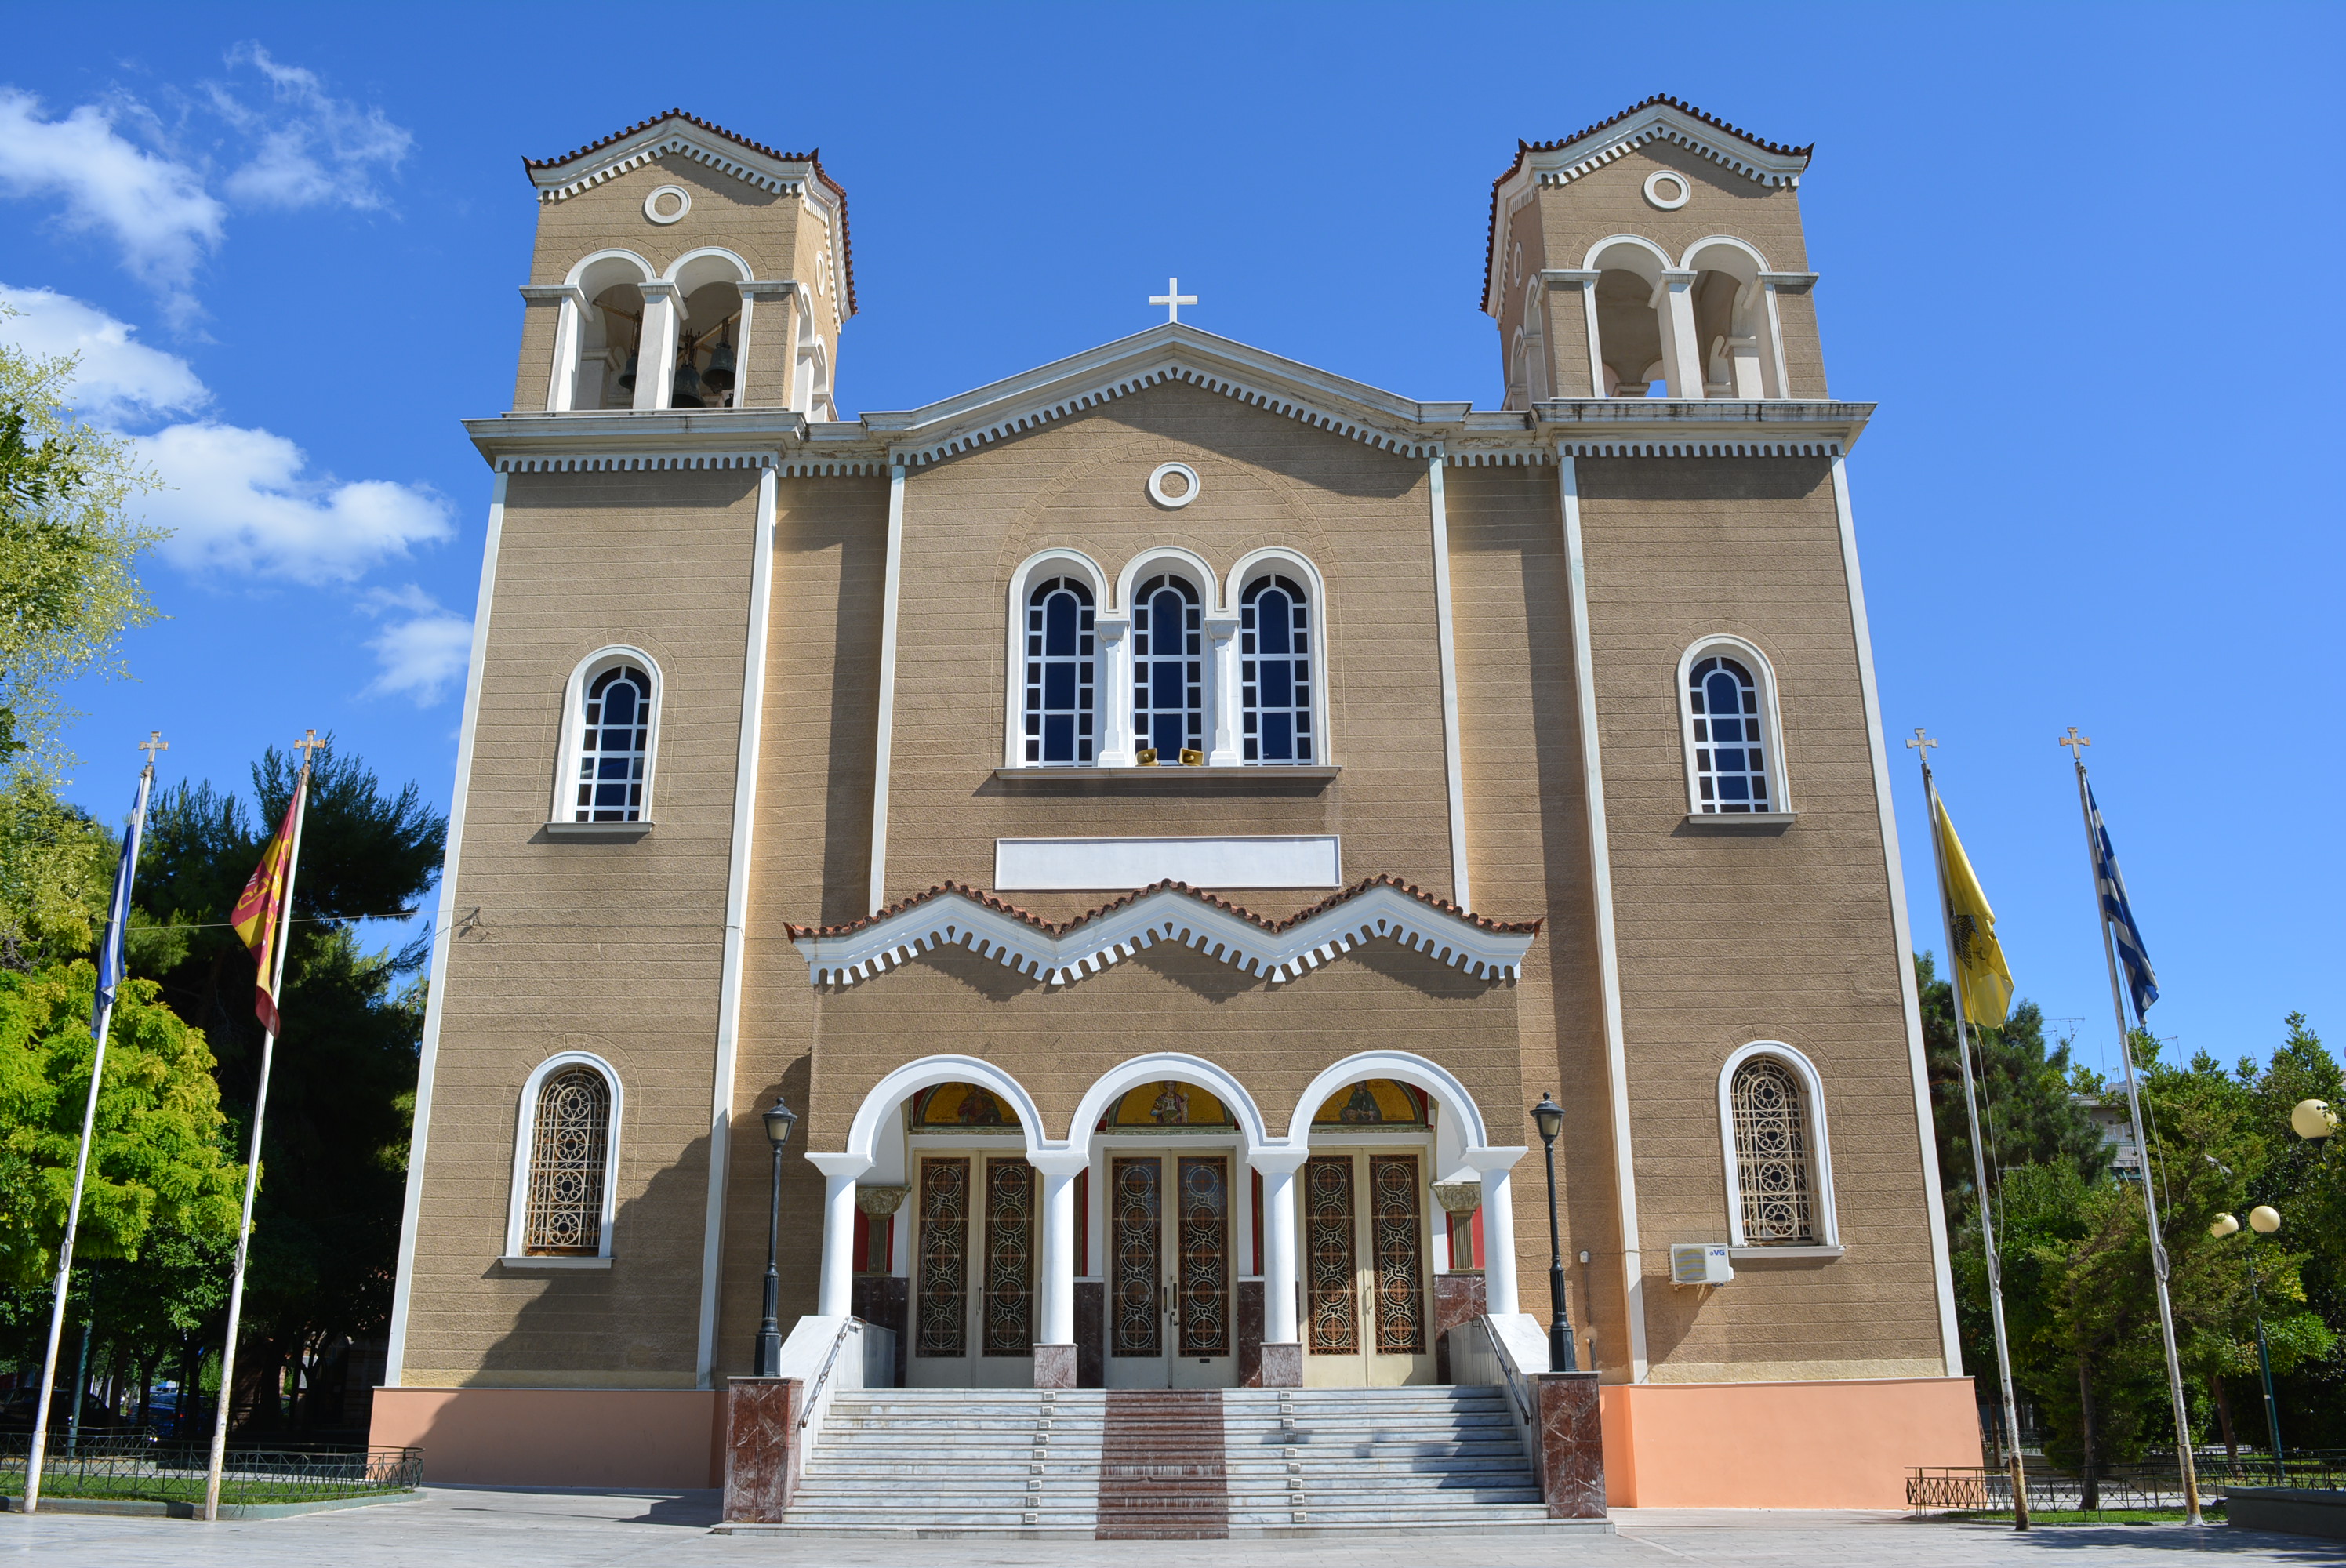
x: 1061, y: 713
x: 564, y: 1161
x: 1275, y: 672
x: 1778, y: 1167
x: 1735, y: 757
x: 1169, y: 668
x: 614, y: 745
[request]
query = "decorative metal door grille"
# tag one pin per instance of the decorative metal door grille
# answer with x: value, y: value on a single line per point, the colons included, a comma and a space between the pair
x: 945, y: 1258
x: 569, y: 1146
x: 1140, y: 1236
x: 1205, y: 1195
x: 1009, y: 1257
x: 1332, y: 1294
x: 1400, y: 1276
x: 1772, y: 1155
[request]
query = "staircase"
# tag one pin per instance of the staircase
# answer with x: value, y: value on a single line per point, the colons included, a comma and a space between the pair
x: 1138, y: 1465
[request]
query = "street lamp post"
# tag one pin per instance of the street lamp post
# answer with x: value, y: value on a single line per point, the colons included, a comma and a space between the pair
x: 2263, y: 1221
x: 778, y: 1119
x: 1560, y: 1356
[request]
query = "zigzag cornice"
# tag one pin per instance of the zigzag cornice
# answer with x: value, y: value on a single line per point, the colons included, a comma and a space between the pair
x: 952, y: 915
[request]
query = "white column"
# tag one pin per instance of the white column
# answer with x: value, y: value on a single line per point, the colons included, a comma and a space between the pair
x: 655, y: 350
x: 1681, y: 347
x: 835, y: 1296
x: 883, y: 752
x: 1113, y: 691
x: 1498, y: 1227
x: 1055, y: 1318
x: 1461, y: 893
x: 1279, y: 1314
x: 561, y: 392
x: 1222, y: 692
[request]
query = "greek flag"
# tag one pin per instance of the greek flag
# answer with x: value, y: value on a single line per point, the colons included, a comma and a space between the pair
x: 2118, y: 915
x: 118, y: 915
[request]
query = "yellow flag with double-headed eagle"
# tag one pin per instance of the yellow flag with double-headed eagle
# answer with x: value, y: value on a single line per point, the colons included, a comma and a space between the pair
x: 1983, y: 982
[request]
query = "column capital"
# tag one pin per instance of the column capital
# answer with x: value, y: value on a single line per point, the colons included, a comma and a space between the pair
x: 1568, y: 277
x: 837, y: 1165
x: 1495, y: 1156
x: 1278, y: 1159
x: 1221, y: 628
x: 661, y: 289
x: 1063, y: 1163
x: 769, y: 288
x: 554, y: 294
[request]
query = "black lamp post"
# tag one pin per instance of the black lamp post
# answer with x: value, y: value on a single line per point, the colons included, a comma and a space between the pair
x: 779, y: 1119
x: 1560, y: 1356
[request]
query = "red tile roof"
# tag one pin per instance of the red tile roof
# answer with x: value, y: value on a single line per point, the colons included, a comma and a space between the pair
x: 812, y: 156
x: 980, y: 896
x: 1525, y: 148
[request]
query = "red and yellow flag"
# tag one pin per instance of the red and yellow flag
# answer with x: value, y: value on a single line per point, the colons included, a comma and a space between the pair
x: 255, y: 917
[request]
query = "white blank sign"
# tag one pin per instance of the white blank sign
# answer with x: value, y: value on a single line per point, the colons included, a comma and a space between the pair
x: 1069, y: 865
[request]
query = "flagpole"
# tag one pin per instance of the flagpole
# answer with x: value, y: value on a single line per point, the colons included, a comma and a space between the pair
x: 1922, y: 745
x: 118, y: 913
x: 252, y: 1157
x: 2185, y: 1460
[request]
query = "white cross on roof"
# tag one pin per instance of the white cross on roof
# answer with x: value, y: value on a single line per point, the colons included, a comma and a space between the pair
x: 1172, y: 299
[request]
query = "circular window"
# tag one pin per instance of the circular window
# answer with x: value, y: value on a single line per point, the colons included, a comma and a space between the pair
x: 670, y: 202
x: 1668, y: 191
x: 1173, y: 485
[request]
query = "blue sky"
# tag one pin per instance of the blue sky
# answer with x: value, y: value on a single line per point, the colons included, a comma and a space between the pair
x: 2076, y: 252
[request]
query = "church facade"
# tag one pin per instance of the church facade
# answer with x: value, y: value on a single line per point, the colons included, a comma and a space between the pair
x: 1158, y: 820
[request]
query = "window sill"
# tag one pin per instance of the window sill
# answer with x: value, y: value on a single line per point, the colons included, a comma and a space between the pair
x: 623, y: 831
x: 1152, y: 779
x: 528, y: 1261
x: 1787, y: 1254
x: 1747, y: 822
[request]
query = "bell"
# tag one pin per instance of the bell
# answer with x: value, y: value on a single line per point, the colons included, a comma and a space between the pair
x: 628, y: 376
x: 688, y: 387
x: 720, y: 374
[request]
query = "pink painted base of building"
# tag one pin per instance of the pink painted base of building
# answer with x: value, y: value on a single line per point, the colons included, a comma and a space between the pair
x: 1667, y: 1445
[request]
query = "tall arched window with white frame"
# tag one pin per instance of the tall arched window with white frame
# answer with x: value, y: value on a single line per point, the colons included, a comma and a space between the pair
x: 1275, y: 672
x: 569, y: 1160
x: 614, y: 745
x: 1169, y: 668
x: 1061, y: 717
x: 1728, y: 720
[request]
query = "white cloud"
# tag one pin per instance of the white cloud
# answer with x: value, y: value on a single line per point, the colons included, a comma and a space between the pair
x: 423, y: 655
x: 240, y: 502
x: 315, y: 149
x: 154, y: 206
x: 119, y: 380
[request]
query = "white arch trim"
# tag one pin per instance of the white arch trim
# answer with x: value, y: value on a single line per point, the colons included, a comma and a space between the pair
x: 863, y: 1132
x: 578, y: 273
x: 951, y: 915
x: 1780, y: 776
x: 1638, y: 244
x: 564, y: 807
x: 1728, y: 241
x: 689, y: 262
x: 1168, y: 558
x: 1812, y: 1092
x: 1127, y: 1075
x: 524, y: 1136
x: 1403, y: 1067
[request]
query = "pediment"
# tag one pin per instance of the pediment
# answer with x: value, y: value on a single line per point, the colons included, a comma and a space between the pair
x: 1062, y: 952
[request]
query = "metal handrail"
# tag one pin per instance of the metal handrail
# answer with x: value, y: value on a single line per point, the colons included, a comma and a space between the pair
x: 1507, y: 1367
x: 853, y: 1326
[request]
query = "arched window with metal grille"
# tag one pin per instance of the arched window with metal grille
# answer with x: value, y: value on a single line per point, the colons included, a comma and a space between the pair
x: 1778, y: 1165
x: 1735, y: 761
x: 610, y: 775
x: 565, y: 1160
x: 1169, y: 668
x: 1061, y: 717
x: 1275, y: 673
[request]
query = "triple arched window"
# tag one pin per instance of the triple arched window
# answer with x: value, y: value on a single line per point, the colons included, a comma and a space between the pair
x: 1771, y: 1116
x: 610, y: 730
x: 1735, y: 759
x: 565, y: 1158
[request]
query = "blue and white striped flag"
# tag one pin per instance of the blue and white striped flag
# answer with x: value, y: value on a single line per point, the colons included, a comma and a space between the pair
x: 2118, y: 915
x: 118, y: 911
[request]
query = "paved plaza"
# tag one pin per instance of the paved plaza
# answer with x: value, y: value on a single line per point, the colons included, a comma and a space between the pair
x: 471, y: 1526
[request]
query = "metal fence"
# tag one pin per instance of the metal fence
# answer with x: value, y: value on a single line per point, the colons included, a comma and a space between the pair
x: 129, y: 1468
x: 2148, y: 1485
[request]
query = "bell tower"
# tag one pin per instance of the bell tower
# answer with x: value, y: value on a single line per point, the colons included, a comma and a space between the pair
x: 1655, y: 254
x: 679, y: 266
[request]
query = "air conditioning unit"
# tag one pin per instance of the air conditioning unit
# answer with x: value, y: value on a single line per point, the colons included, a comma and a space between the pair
x: 1700, y: 1262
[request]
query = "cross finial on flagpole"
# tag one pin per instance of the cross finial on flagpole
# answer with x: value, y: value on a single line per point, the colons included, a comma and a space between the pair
x: 1172, y: 299
x: 152, y: 744
x: 2076, y: 742
x: 1922, y: 743
x: 307, y: 744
